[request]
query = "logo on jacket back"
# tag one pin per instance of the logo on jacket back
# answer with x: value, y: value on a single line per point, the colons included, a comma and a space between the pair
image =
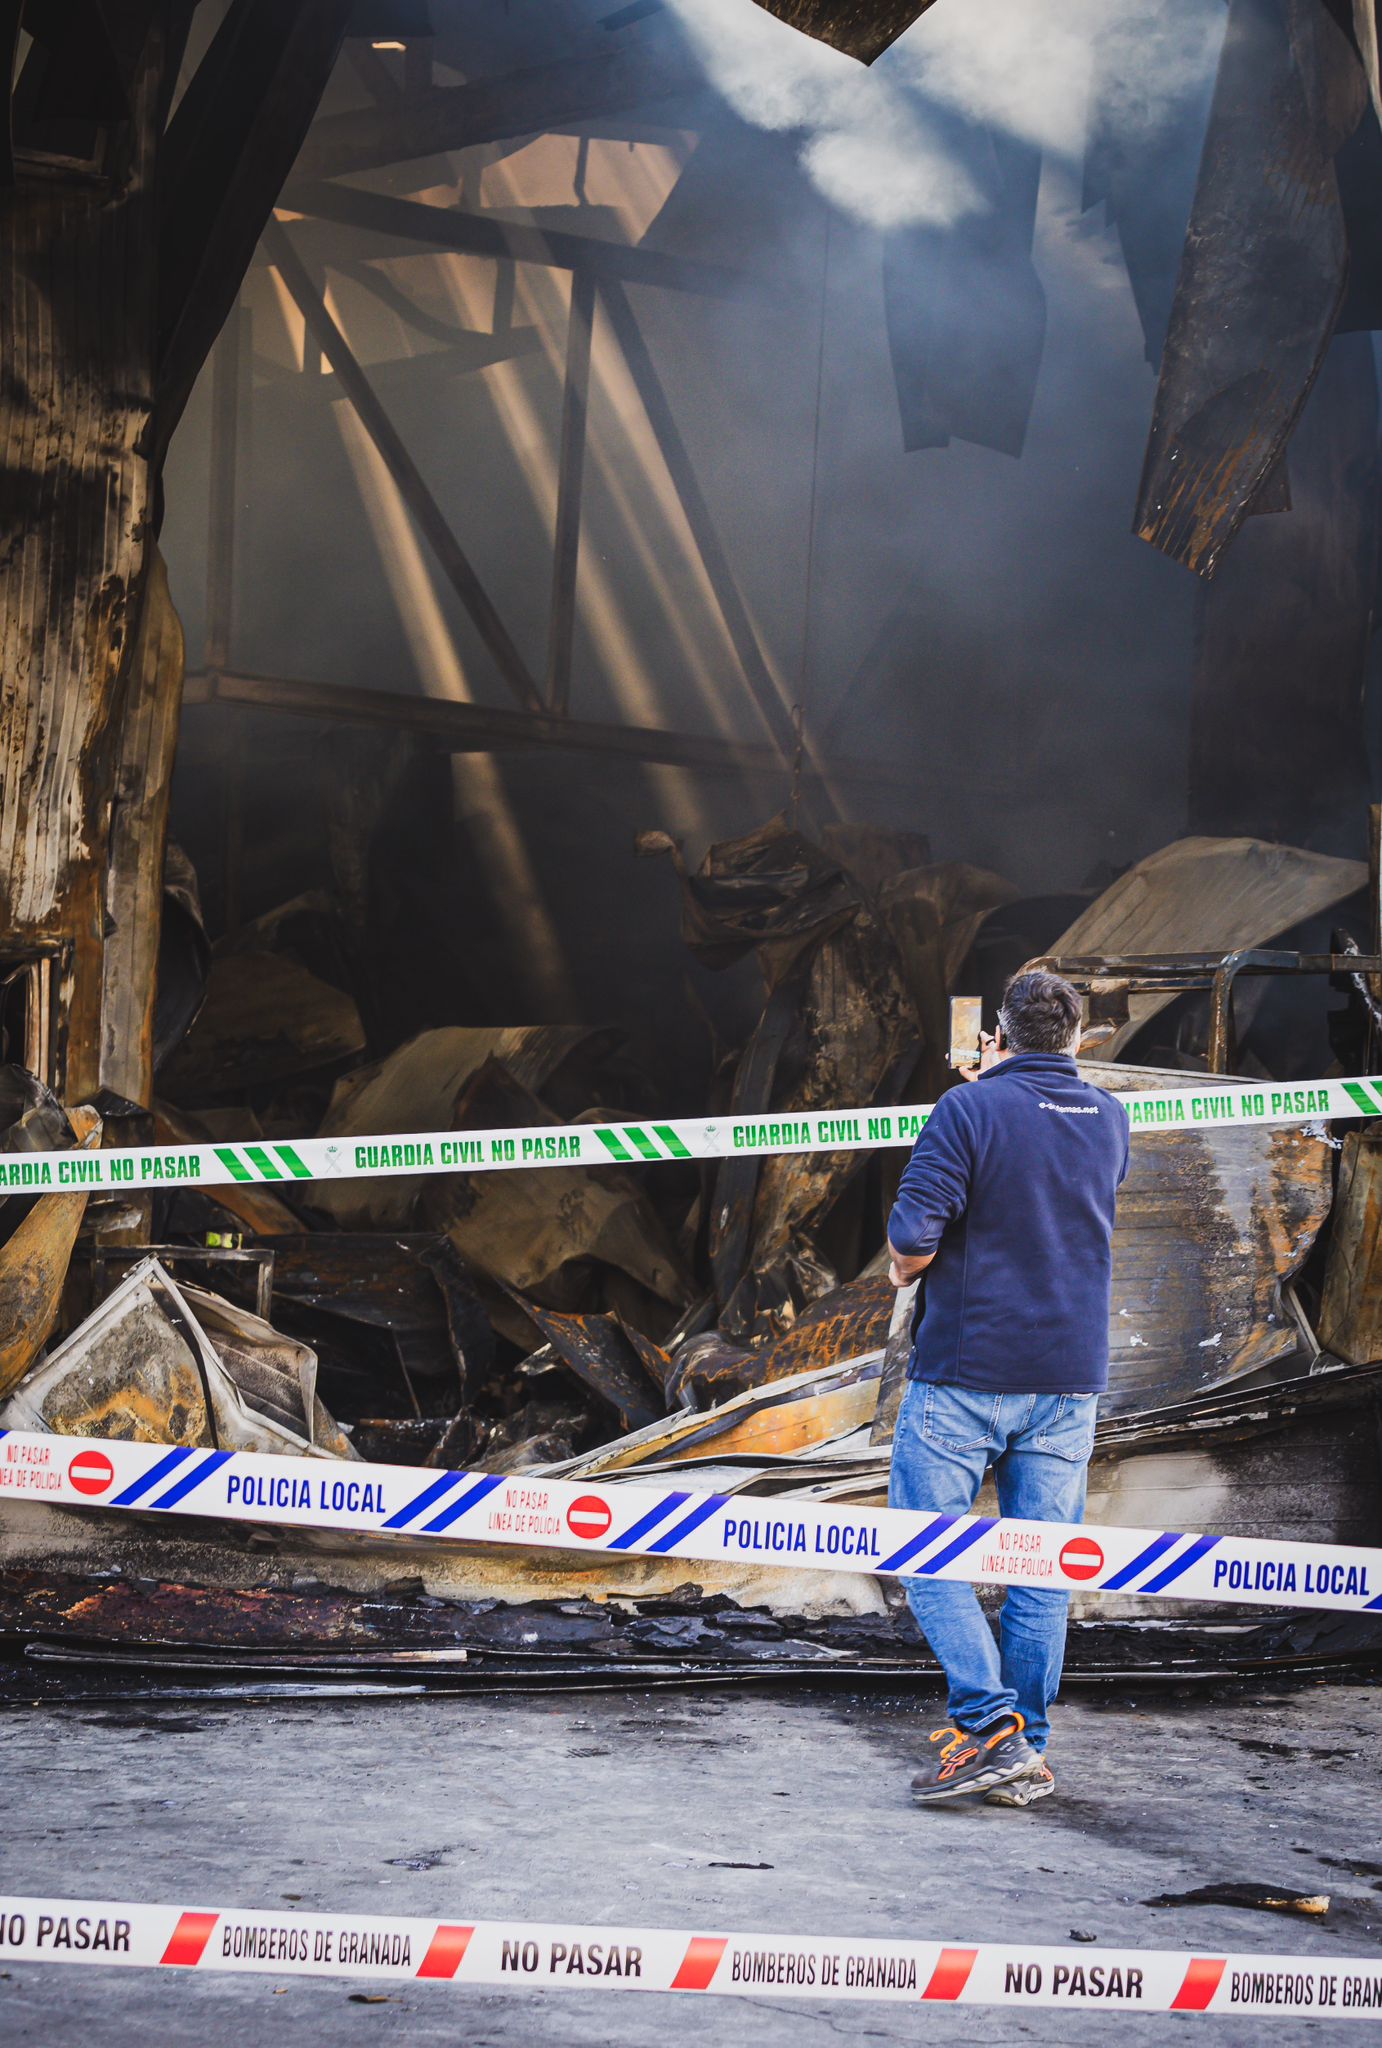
x: 1071, y: 1109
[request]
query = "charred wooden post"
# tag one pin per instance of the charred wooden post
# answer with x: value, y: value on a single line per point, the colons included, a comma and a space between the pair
x: 78, y: 242
x: 123, y: 240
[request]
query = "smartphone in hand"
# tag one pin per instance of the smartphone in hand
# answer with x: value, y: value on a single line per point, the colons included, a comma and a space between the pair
x: 966, y: 1018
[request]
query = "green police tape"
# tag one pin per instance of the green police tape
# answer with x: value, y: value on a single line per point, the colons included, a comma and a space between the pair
x: 1208, y: 1105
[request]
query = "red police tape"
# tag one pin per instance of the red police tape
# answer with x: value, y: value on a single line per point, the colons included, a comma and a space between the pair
x: 525, y: 1955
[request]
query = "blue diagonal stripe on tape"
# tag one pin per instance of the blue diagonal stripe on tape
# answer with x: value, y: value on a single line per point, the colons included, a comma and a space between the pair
x: 471, y: 1498
x: 709, y: 1506
x: 212, y: 1462
x: 960, y: 1545
x: 1142, y: 1562
x: 1373, y: 1603
x: 649, y: 1521
x: 1198, y: 1549
x: 137, y: 1488
x: 420, y: 1502
x: 937, y: 1526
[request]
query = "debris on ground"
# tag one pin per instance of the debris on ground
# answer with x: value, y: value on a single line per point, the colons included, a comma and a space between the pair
x: 730, y: 1322
x: 1262, y: 1898
x: 156, y: 1363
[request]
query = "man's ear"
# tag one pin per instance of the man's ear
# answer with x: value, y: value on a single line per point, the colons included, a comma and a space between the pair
x: 998, y: 1039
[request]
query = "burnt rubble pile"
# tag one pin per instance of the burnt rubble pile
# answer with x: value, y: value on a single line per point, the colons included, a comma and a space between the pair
x: 730, y: 1321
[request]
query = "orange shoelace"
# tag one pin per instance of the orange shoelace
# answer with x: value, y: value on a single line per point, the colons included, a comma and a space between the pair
x: 956, y: 1753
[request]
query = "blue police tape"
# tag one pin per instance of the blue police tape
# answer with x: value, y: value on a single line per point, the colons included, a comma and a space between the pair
x: 396, y: 1502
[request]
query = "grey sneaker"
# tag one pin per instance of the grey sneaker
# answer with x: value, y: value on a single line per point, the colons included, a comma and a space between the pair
x: 974, y: 1760
x: 1038, y: 1784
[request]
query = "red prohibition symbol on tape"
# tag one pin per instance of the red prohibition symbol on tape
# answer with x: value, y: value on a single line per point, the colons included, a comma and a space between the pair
x: 588, y: 1517
x: 91, y: 1472
x: 1081, y: 1558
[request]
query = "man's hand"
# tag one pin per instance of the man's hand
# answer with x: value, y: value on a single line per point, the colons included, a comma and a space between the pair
x: 991, y: 1054
x: 905, y: 1267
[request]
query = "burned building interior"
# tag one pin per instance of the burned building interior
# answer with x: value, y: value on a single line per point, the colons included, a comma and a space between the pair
x: 565, y: 561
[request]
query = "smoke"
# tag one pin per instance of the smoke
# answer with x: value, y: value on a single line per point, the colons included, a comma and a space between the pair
x: 874, y: 141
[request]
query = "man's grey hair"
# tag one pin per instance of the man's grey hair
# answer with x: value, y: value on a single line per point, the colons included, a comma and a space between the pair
x: 1040, y: 1013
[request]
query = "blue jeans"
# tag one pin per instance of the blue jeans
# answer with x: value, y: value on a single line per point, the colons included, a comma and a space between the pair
x: 1038, y: 1446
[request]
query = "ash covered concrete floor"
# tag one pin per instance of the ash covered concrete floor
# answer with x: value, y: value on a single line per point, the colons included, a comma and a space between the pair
x: 618, y: 1807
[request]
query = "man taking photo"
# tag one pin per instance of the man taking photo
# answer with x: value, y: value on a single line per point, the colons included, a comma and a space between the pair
x: 1007, y: 1205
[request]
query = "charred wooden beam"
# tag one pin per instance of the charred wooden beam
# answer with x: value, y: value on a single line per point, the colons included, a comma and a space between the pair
x: 488, y: 729
x: 567, y: 537
x: 526, y: 102
x: 471, y: 234
x: 284, y: 395
x: 465, y: 348
x: 1262, y: 278
x: 861, y: 28
x: 431, y: 520
x: 229, y: 147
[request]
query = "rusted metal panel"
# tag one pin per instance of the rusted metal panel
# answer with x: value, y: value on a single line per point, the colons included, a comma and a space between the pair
x: 1351, y: 1310
x: 844, y: 1324
x: 1210, y: 1223
x: 1216, y: 894
x: 598, y: 1352
x: 376, y: 1293
x: 1262, y: 277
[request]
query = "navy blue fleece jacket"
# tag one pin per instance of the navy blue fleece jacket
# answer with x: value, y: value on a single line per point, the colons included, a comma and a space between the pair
x: 1012, y: 1185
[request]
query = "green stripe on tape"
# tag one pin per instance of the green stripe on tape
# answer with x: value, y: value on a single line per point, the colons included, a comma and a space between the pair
x: 293, y: 1163
x: 257, y: 1156
x: 1356, y: 1092
x: 643, y: 1141
x: 611, y: 1143
x: 671, y: 1141
x: 232, y: 1160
